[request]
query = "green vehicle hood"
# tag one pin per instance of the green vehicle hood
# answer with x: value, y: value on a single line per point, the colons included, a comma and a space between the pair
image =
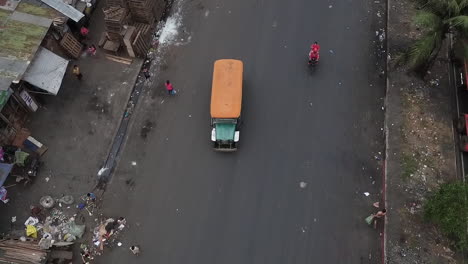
x: 225, y: 131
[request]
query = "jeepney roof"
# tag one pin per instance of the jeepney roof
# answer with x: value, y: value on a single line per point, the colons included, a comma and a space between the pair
x: 226, y: 93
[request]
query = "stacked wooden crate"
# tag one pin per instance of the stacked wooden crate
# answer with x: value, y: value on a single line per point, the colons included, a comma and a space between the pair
x: 143, y: 38
x: 146, y: 11
x: 115, y: 19
x: 121, y: 3
x: 71, y: 45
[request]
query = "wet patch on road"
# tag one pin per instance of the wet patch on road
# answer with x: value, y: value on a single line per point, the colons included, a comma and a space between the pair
x: 95, y: 104
x: 146, y: 129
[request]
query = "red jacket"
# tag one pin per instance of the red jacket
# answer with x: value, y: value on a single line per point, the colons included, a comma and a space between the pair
x: 315, y: 47
x: 314, y: 52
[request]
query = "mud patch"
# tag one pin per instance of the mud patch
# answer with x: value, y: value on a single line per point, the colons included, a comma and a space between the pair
x: 97, y: 105
x: 146, y: 129
x: 130, y: 183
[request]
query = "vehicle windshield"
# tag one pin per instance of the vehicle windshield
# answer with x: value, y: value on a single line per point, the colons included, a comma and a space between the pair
x: 225, y: 121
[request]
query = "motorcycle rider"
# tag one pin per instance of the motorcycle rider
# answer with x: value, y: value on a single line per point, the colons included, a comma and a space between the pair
x: 314, y: 54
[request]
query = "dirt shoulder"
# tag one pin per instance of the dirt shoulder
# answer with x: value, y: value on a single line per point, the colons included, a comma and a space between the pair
x: 420, y: 147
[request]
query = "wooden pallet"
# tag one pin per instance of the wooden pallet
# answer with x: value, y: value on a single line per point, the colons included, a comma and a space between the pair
x: 142, y: 41
x: 146, y: 11
x: 115, y: 17
x: 71, y: 45
x: 128, y: 40
x: 121, y: 3
x: 119, y: 59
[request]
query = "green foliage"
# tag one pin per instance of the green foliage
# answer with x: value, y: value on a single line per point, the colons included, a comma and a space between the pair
x: 436, y: 19
x: 409, y: 165
x: 448, y: 209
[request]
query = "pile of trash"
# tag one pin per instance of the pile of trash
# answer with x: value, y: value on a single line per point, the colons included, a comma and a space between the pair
x: 55, y: 229
x: 106, y: 233
x: 53, y: 224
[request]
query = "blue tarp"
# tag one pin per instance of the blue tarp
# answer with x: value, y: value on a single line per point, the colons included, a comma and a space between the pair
x: 5, y: 170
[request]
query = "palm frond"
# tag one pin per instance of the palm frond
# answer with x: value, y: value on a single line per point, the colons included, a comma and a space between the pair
x: 428, y: 20
x: 465, y: 52
x: 463, y: 4
x: 459, y: 22
x: 453, y: 8
x: 422, y: 50
x: 438, y: 7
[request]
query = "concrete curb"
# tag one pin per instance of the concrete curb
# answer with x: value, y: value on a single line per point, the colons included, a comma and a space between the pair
x: 386, y: 131
x: 120, y: 116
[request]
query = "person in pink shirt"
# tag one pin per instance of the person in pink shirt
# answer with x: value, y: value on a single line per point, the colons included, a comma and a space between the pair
x: 169, y: 88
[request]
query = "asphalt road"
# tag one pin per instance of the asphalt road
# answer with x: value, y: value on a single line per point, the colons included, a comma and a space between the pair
x: 188, y: 204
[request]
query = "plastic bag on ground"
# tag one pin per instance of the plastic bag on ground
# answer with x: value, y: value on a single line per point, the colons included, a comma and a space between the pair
x: 31, y: 231
x: 76, y: 230
x: 369, y: 219
x: 31, y: 221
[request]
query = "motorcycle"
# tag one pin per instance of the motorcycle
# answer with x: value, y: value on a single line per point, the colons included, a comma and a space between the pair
x: 312, y: 61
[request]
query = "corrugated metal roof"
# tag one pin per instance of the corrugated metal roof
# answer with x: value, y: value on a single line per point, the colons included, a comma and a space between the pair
x: 65, y: 9
x: 46, y: 71
x: 21, y: 34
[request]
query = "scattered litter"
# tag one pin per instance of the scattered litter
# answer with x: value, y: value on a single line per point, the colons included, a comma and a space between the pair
x: 331, y: 51
x: 101, y: 171
x: 30, y: 221
x: 303, y: 184
x: 366, y: 194
x: 310, y: 104
x: 67, y: 199
x: 13, y: 219
x: 135, y: 250
x: 134, y: 163
x: 207, y: 12
x: 434, y: 82
x: 330, y: 6
x: 47, y: 179
x: 46, y: 202
x: 378, y: 14
x: 189, y: 115
x: 376, y: 204
x: 119, y: 244
x: 46, y: 241
x: 31, y: 231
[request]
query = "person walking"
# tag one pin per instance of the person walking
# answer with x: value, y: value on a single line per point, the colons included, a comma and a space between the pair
x: 84, y: 31
x: 378, y: 215
x: 135, y: 250
x: 77, y: 72
x: 146, y: 73
x: 92, y: 50
x: 169, y: 88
